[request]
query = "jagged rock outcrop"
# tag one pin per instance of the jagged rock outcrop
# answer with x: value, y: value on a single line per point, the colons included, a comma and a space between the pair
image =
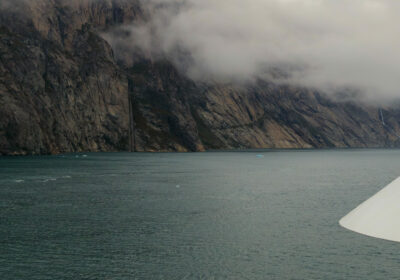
x: 62, y: 90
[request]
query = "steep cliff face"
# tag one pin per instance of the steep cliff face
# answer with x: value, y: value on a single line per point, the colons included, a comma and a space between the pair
x: 161, y: 102
x: 264, y: 115
x: 261, y: 115
x: 61, y: 90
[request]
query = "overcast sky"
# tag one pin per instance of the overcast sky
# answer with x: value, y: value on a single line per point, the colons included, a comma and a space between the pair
x: 327, y: 44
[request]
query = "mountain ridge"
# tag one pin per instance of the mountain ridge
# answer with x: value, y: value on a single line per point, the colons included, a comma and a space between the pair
x: 63, y: 90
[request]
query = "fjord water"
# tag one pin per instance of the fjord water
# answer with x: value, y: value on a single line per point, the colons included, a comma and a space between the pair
x: 223, y: 215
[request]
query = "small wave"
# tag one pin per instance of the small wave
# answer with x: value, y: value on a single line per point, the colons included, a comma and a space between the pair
x: 49, y: 179
x: 19, y: 181
x: 66, y: 177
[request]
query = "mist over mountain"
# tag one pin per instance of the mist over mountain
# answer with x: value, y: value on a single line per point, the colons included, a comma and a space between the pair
x: 130, y: 75
x: 332, y: 46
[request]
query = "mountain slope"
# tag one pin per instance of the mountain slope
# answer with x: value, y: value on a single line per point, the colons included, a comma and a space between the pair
x: 62, y: 90
x: 262, y: 115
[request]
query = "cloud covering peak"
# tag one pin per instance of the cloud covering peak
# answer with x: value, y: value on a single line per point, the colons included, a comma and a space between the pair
x: 324, y: 44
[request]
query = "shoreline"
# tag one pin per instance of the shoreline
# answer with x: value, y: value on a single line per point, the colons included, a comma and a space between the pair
x: 250, y: 150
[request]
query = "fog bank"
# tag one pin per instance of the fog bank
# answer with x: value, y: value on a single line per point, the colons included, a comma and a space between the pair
x: 329, y: 45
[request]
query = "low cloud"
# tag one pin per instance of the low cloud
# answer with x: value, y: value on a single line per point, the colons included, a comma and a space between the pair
x: 328, y: 45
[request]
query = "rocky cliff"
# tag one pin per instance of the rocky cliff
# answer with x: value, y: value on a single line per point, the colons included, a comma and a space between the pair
x: 62, y: 90
x: 260, y: 115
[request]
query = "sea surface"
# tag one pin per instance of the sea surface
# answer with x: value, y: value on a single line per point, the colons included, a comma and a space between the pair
x: 215, y: 215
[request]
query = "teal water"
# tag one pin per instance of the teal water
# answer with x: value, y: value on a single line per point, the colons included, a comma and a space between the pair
x: 227, y: 215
